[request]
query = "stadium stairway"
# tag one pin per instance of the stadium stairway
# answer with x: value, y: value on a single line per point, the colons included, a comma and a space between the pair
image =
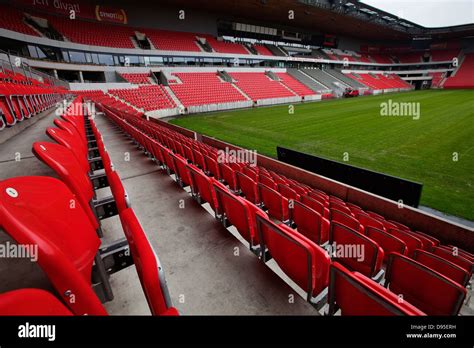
x: 307, y: 80
x: 340, y: 76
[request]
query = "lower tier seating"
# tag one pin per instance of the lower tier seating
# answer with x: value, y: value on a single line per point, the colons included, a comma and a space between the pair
x: 204, y: 88
x: 303, y: 230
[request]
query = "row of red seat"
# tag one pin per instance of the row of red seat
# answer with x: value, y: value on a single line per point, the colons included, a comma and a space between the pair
x: 297, y: 225
x: 146, y: 97
x: 204, y: 88
x: 101, y: 98
x: 20, y: 101
x: 137, y: 79
x: 379, y: 81
x: 63, y: 217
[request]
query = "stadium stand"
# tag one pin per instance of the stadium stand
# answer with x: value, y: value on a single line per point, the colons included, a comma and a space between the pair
x: 260, y: 86
x: 222, y: 46
x: 12, y: 19
x: 463, y: 75
x: 146, y: 97
x: 288, y: 227
x: 137, y: 79
x: 263, y: 50
x: 294, y: 231
x: 172, y: 40
x: 294, y: 85
x: 95, y: 34
x: 204, y: 88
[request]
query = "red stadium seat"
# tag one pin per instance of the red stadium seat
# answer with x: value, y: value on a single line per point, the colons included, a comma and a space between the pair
x: 272, y: 200
x: 410, y: 240
x: 443, y: 266
x: 386, y: 241
x: 423, y: 287
x: 354, y: 294
x: 201, y: 187
x: 345, y: 219
x: 31, y: 302
x: 67, y: 246
x: 63, y: 162
x: 303, y: 261
x: 456, y: 259
x: 309, y: 223
x: 147, y: 265
x: 239, y: 212
x: 247, y: 187
x: 316, y: 205
x: 355, y: 251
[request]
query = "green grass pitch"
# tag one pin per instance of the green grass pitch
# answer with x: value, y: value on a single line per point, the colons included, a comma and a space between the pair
x: 422, y: 150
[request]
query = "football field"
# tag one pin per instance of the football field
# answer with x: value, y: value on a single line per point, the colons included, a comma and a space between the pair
x: 433, y: 143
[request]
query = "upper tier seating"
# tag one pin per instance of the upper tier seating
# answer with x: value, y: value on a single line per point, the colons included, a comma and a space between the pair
x: 260, y: 86
x: 444, y: 55
x: 263, y: 50
x: 137, y: 79
x: 12, y: 19
x: 294, y: 85
x: 463, y: 76
x: 204, y: 88
x: 382, y: 59
x: 226, y: 47
x: 93, y: 33
x: 172, y: 40
x: 150, y: 97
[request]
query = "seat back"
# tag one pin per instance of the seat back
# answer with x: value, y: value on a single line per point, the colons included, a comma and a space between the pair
x: 456, y: 259
x: 443, y: 266
x: 288, y: 192
x: 228, y: 175
x: 201, y: 186
x: 355, y: 296
x: 42, y: 212
x: 248, y: 187
x: 65, y: 139
x: 315, y: 205
x: 238, y: 212
x: 276, y: 204
x: 355, y: 250
x: 410, y: 240
x: 423, y: 287
x: 309, y: 222
x: 181, y: 169
x: 118, y: 191
x: 345, y: 219
x: 147, y: 265
x: 369, y: 221
x: 62, y: 161
x: 386, y: 241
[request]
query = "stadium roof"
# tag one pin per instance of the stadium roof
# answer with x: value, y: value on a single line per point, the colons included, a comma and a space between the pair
x: 341, y: 17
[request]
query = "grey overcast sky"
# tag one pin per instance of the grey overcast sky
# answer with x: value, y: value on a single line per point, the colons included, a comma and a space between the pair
x: 429, y: 13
